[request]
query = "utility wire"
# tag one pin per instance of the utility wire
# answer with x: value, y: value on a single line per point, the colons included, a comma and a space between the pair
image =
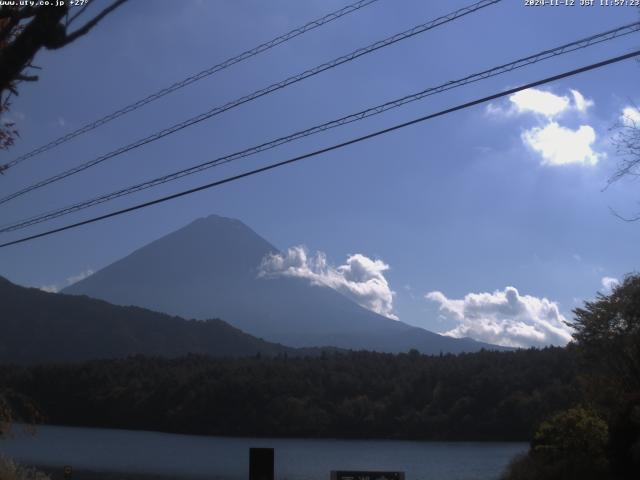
x: 194, y: 78
x: 538, y: 57
x: 369, y: 136
x: 259, y: 93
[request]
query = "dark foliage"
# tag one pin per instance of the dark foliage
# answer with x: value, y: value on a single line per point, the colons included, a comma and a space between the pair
x: 608, y: 334
x: 483, y: 396
x: 625, y: 439
x: 571, y: 445
x: 608, y: 340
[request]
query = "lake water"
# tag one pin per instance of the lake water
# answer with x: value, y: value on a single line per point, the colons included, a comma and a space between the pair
x: 187, y: 456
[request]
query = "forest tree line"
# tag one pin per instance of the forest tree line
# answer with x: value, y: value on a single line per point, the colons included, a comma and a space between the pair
x: 477, y: 396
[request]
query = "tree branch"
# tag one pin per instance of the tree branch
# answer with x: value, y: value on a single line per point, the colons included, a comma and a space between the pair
x: 626, y: 219
x: 70, y: 37
x: 80, y: 12
x: 44, y: 28
x: 27, y: 78
x: 20, y: 14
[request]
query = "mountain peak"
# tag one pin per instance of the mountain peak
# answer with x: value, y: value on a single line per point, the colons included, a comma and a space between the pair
x: 210, y: 269
x: 219, y: 226
x: 218, y: 219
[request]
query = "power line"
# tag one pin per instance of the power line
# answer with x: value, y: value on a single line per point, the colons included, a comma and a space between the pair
x: 194, y: 78
x: 538, y: 57
x: 259, y: 93
x: 369, y: 136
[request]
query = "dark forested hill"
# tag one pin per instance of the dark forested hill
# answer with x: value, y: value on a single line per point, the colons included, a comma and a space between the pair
x: 36, y: 326
x: 483, y: 396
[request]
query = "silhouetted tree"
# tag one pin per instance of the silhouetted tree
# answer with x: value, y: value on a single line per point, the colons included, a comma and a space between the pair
x: 627, y: 143
x: 24, y: 30
x: 607, y: 332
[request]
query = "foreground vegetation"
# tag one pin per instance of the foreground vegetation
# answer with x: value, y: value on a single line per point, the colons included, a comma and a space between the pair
x: 600, y: 437
x: 11, y: 470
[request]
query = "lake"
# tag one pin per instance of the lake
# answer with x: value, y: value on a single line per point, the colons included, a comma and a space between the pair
x: 188, y: 456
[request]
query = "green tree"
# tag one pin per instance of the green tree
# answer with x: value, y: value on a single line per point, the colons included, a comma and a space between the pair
x: 607, y: 332
x: 571, y: 445
x: 578, y: 434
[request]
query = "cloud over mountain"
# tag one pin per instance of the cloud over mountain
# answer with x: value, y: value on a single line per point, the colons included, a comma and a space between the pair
x: 54, y: 288
x: 360, y: 278
x: 505, y: 317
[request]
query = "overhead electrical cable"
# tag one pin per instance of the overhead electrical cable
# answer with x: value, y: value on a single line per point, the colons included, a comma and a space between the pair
x: 522, y: 62
x: 315, y: 153
x: 259, y: 93
x: 194, y: 78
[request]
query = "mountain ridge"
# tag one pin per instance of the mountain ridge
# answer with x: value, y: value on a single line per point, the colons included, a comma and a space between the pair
x: 209, y: 268
x: 41, y: 327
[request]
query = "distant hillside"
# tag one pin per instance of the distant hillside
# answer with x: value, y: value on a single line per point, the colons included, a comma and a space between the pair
x: 40, y: 327
x: 209, y: 269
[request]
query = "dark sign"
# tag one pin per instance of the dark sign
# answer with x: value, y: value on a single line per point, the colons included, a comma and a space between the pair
x: 261, y: 464
x: 67, y: 470
x: 366, y: 475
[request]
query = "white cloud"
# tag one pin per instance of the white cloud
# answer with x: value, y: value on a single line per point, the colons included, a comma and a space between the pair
x: 630, y: 116
x: 609, y: 283
x: 50, y: 288
x: 55, y: 288
x: 579, y: 102
x: 505, y: 317
x: 559, y: 145
x: 497, y: 110
x: 81, y: 276
x: 360, y: 278
x: 541, y: 102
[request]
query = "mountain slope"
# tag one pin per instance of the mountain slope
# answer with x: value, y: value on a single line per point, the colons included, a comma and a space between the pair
x: 40, y: 327
x: 210, y: 269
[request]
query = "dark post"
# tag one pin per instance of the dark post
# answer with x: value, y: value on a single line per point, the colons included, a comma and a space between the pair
x: 261, y: 464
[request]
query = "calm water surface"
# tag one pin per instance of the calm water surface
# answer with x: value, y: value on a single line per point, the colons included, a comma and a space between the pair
x: 228, y: 458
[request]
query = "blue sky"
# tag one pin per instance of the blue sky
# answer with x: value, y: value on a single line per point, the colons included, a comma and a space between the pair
x: 473, y: 202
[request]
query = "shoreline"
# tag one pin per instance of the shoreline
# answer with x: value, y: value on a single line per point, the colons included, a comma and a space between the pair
x: 55, y: 473
x: 270, y: 437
